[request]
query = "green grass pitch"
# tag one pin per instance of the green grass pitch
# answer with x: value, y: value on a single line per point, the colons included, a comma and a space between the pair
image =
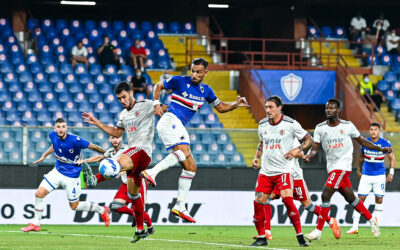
x: 184, y: 237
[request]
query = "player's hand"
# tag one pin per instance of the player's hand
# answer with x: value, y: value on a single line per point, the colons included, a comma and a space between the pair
x: 359, y: 174
x: 389, y: 178
x: 242, y: 102
x: 387, y: 150
x: 294, y: 153
x: 40, y: 160
x: 256, y: 164
x: 89, y: 118
x: 306, y: 158
x: 79, y: 162
x: 158, y: 110
x: 120, y: 173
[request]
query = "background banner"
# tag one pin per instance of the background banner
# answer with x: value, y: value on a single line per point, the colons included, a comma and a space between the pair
x: 208, y: 207
x: 300, y: 86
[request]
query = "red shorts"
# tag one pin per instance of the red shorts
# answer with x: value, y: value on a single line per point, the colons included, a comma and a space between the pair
x: 300, y: 191
x: 268, y: 184
x: 338, y: 179
x: 122, y: 193
x: 140, y: 161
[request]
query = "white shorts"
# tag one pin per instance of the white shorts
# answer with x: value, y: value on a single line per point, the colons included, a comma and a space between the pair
x: 376, y: 183
x: 171, y: 131
x: 54, y: 179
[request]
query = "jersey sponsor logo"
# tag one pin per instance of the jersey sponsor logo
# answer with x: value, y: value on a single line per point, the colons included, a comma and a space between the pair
x: 131, y: 129
x: 335, y: 143
x: 137, y: 113
x: 272, y: 144
x: 185, y: 94
x: 282, y: 132
x: 291, y: 85
x: 71, y: 151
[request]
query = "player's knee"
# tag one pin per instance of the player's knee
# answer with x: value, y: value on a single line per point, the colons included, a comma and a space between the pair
x: 181, y: 156
x: 134, y: 196
x: 378, y: 199
x: 325, y: 197
x: 39, y: 194
x: 74, y: 205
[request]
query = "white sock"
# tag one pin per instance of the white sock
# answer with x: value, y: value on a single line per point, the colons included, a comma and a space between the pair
x: 356, y: 219
x: 169, y: 161
x: 378, y: 211
x: 185, y: 181
x: 38, y: 211
x: 89, y: 207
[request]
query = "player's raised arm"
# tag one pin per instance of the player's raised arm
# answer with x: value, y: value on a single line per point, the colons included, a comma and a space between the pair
x: 96, y: 148
x: 223, y: 107
x: 370, y: 145
x: 313, y: 152
x: 392, y: 165
x: 114, y: 131
x: 298, y: 152
x: 158, y: 110
x: 45, y: 154
x: 256, y: 161
x: 94, y: 158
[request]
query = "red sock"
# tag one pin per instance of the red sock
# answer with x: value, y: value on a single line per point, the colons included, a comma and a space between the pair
x: 147, y: 219
x: 293, y: 214
x: 138, y: 209
x: 100, y: 178
x: 323, y: 216
x: 317, y: 211
x: 125, y: 210
x: 268, y: 214
x: 363, y: 210
x: 259, y: 218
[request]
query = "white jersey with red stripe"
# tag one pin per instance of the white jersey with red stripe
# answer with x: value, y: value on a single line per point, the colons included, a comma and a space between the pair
x: 138, y: 123
x: 296, y: 170
x: 277, y: 141
x: 111, y: 153
x: 337, y: 144
x: 187, y: 97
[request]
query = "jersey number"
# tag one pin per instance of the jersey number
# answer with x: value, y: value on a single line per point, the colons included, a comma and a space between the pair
x: 299, y: 192
x: 73, y: 191
x: 332, y: 178
x: 283, y: 177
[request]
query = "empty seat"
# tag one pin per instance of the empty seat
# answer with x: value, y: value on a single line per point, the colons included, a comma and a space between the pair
x: 174, y: 27
x: 189, y: 28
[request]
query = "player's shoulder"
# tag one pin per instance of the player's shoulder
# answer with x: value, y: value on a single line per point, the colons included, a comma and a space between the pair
x: 321, y: 124
x: 384, y: 140
x: 345, y: 122
x: 263, y: 121
x: 124, y: 147
x: 123, y: 113
x: 288, y: 119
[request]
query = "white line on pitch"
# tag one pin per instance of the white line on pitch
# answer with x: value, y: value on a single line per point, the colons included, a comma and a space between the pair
x: 149, y: 239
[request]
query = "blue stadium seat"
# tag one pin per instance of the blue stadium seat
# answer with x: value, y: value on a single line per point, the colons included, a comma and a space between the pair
x: 60, y: 87
x: 174, y: 27
x: 20, y: 68
x: 70, y: 78
x: 386, y: 59
x: 28, y: 86
x: 111, y: 69
x: 65, y: 97
x: 85, y: 78
x: 65, y: 33
x: 396, y: 86
x: 35, y: 96
x: 90, y: 25
x: 55, y: 77
x: 47, y: 24
x: 95, y: 69
x: 40, y: 77
x: 396, y: 104
x: 39, y: 106
x: 390, y: 76
x: 15, y: 87
x: 220, y: 160
x: 85, y: 107
x: 372, y: 60
x: 100, y: 107
x: 54, y: 106
x: 70, y: 107
x: 205, y: 160
x: 380, y: 49
x: 66, y: 68
x: 58, y: 114
x: 212, y: 120
x: 79, y: 98
x: 196, y: 120
x: 32, y: 59
x: 118, y: 26
x: 340, y: 32
x: 61, y: 24
x: 25, y: 77
x: 126, y: 69
x: 33, y: 24
x: 199, y: 148
x: 229, y: 149
x: 48, y: 96
x: 99, y: 79
x: 44, y: 117
x: 74, y: 117
x: 114, y: 107
x: 114, y: 79
x: 51, y: 35
x: 5, y: 96
x: 189, y: 28
x: 6, y: 68
x: 75, y: 87
x: 12, y: 115
x: 89, y: 88
x: 95, y: 98
x: 28, y: 116
x: 146, y: 26
x: 60, y: 50
x: 10, y: 78
x: 122, y: 36
x: 206, y: 109
x: 19, y: 96
x: 131, y: 26
x: 312, y: 32
x: 17, y: 58
x: 327, y: 31
x: 150, y: 36
x: 106, y: 118
x: 213, y: 149
x: 164, y: 63
x: 23, y: 105
x: 156, y: 45
x: 10, y: 147
x: 105, y: 27
x: 3, y: 86
x: 237, y: 160
x: 51, y: 68
x: 223, y: 138
x: 105, y: 88
x: 75, y: 25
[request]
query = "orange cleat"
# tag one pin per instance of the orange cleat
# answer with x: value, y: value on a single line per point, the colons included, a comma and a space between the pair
x: 106, y: 216
x: 268, y: 234
x: 31, y: 227
x: 184, y: 214
x: 335, y: 228
x: 148, y: 178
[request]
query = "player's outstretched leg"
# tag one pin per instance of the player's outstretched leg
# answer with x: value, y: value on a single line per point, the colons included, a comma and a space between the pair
x: 356, y: 221
x: 88, y: 206
x: 185, y: 181
x: 311, y: 207
x: 294, y: 217
x: 42, y: 192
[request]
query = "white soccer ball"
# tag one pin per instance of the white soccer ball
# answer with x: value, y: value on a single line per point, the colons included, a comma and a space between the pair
x: 109, y: 168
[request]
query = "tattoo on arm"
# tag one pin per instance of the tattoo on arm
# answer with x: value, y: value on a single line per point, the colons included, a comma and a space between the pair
x: 96, y: 148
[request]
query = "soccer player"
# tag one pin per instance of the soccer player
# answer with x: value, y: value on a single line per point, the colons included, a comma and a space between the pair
x: 188, y: 96
x: 277, y: 133
x: 300, y: 194
x: 121, y: 197
x: 373, y: 177
x: 335, y: 136
x: 66, y: 174
x: 137, y: 120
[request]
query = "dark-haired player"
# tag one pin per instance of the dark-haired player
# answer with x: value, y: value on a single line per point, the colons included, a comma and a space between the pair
x: 372, y: 163
x: 277, y: 133
x: 188, y: 95
x: 335, y: 136
x: 67, y: 149
x: 137, y: 120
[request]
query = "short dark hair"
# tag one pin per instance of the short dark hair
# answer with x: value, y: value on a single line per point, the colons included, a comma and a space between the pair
x: 334, y: 100
x: 122, y: 86
x: 364, y: 75
x: 60, y: 120
x: 200, y: 61
x: 375, y: 124
x: 276, y: 99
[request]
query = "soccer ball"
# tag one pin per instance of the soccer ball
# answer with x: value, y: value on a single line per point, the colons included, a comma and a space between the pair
x: 109, y: 168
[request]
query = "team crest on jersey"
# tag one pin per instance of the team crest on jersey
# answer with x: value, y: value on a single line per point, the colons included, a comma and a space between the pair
x: 188, y: 85
x: 137, y: 113
x: 202, y: 89
x: 291, y: 86
x: 341, y: 131
x: 185, y: 94
x: 71, y: 151
x: 282, y: 132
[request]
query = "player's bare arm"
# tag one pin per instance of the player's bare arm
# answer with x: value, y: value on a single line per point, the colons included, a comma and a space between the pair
x: 298, y: 152
x: 313, y: 152
x: 158, y: 110
x: 360, y: 164
x: 96, y: 148
x: 95, y: 158
x: 49, y: 151
x: 228, y: 106
x: 113, y: 131
x: 370, y: 145
x: 389, y: 178
x: 256, y: 161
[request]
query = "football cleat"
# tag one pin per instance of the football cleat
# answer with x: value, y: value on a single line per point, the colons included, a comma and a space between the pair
x: 314, y: 235
x: 335, y: 228
x: 302, y: 241
x: 268, y: 235
x: 184, y: 214
x: 260, y: 241
x: 376, y: 231
x: 91, y: 180
x: 148, y: 178
x: 106, y: 216
x: 151, y: 230
x: 353, y: 230
x: 133, y: 221
x: 31, y: 227
x: 139, y: 235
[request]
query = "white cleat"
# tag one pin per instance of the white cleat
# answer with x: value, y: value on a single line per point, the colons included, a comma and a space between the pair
x: 353, y: 230
x: 376, y: 231
x: 314, y: 235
